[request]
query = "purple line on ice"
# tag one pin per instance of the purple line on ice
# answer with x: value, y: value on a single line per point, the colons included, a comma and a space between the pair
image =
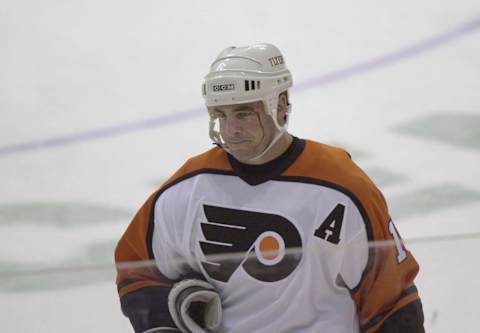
x: 102, y: 132
x: 389, y: 58
x: 324, y: 79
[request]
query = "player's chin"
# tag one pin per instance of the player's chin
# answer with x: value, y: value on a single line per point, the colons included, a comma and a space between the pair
x: 240, y: 153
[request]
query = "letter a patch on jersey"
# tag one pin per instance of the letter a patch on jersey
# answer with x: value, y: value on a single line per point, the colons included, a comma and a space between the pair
x: 330, y: 229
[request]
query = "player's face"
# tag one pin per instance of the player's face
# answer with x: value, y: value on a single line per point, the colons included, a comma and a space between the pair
x: 245, y: 128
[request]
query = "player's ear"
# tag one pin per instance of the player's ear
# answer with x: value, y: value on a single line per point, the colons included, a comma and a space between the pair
x: 282, y: 109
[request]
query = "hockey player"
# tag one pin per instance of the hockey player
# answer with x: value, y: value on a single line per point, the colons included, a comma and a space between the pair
x: 266, y: 232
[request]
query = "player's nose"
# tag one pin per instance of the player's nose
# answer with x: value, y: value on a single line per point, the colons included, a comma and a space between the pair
x: 232, y: 126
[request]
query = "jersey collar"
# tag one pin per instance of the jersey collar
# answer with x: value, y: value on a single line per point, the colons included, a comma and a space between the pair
x: 258, y: 174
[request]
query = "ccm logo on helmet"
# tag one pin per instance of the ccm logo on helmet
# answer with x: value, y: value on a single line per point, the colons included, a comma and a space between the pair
x: 258, y: 242
x: 223, y: 87
x: 275, y: 61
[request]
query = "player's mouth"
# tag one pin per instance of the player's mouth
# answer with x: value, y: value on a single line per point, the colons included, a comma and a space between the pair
x: 237, y: 142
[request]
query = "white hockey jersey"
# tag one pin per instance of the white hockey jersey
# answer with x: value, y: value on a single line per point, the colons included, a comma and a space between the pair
x: 286, y: 244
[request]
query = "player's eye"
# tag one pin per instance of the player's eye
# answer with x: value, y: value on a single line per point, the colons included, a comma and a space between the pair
x: 219, y: 115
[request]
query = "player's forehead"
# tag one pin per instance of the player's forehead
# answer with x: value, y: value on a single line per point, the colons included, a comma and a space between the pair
x: 256, y: 106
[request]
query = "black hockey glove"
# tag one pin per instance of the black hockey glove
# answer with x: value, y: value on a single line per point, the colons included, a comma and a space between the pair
x: 195, y: 306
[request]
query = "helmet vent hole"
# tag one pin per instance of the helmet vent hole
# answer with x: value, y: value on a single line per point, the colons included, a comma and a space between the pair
x: 250, y: 85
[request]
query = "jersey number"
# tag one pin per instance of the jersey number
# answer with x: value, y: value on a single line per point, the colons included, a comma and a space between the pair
x: 401, y: 251
x: 330, y: 229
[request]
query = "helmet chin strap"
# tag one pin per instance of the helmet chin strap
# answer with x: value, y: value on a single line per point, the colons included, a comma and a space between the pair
x: 216, y: 137
x: 280, y: 132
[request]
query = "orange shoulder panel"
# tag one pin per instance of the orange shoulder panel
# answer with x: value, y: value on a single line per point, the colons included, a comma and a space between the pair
x: 213, y: 159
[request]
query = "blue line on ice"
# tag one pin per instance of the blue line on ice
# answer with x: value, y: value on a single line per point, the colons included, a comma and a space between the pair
x: 321, y: 80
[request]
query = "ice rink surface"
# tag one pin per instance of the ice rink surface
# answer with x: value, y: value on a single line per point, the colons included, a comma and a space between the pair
x: 100, y: 102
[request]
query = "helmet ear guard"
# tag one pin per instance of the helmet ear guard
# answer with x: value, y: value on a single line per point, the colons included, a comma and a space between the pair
x: 243, y: 75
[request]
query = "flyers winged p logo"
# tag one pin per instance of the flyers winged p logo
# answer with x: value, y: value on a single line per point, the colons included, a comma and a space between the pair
x: 261, y: 239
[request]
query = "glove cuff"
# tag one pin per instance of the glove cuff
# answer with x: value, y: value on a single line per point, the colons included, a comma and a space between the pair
x: 186, y: 293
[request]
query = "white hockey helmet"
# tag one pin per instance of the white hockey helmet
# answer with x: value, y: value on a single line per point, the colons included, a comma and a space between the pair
x: 247, y: 74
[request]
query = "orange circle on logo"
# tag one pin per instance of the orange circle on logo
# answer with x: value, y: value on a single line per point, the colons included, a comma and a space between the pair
x: 269, y: 247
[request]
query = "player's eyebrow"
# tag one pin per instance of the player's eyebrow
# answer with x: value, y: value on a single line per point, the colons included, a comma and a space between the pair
x: 243, y: 108
x: 239, y: 108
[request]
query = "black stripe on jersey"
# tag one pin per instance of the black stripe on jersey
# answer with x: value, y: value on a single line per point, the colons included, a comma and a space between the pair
x: 358, y: 204
x: 159, y: 277
x: 151, y: 225
x: 125, y: 282
x: 375, y: 320
x: 408, y: 291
